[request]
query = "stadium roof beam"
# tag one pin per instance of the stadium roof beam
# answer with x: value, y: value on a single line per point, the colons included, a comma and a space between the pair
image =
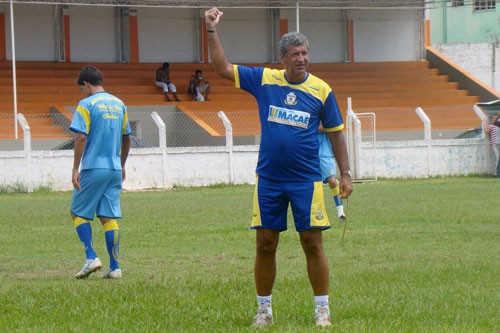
x: 340, y: 4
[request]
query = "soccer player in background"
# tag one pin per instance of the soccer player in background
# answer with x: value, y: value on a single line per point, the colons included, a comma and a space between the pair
x: 329, y: 171
x: 292, y: 104
x: 102, y: 145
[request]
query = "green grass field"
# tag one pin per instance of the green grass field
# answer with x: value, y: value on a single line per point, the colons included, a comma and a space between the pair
x: 418, y: 256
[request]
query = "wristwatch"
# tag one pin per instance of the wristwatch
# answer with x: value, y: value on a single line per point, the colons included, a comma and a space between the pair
x: 346, y: 173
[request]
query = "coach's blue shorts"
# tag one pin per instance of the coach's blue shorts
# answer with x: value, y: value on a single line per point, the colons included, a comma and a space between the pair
x: 328, y: 168
x: 272, y: 198
x: 99, y: 194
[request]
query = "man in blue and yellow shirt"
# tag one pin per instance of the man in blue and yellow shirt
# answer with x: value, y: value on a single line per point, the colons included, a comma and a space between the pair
x: 102, y: 144
x: 292, y: 105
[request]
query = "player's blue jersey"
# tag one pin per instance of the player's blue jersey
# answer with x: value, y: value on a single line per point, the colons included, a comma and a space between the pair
x: 104, y: 119
x: 325, y: 148
x: 290, y: 114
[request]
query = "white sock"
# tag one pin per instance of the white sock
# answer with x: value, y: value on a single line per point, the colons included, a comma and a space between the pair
x: 265, y: 302
x: 321, y: 301
x: 340, y: 210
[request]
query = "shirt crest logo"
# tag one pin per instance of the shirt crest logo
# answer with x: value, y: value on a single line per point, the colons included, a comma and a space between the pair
x: 291, y: 99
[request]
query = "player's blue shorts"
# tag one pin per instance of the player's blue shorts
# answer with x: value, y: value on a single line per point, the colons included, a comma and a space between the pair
x: 99, y: 194
x: 272, y: 198
x: 328, y: 168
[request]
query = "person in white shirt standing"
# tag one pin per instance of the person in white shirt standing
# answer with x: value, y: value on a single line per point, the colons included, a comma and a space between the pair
x: 492, y: 130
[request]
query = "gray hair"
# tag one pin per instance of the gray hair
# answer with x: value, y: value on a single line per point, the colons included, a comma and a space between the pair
x: 292, y: 38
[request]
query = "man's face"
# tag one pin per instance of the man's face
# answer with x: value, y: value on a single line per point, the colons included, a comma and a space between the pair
x: 296, y: 61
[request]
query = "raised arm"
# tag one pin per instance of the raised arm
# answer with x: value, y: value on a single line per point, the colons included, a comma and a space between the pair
x: 219, y: 60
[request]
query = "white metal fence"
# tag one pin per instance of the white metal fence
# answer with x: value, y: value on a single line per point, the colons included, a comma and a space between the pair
x: 219, y: 159
x: 362, y: 138
x: 51, y: 131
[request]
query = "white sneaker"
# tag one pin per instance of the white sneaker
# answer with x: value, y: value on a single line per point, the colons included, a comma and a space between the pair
x: 262, y: 319
x: 91, y: 265
x: 112, y: 274
x: 322, y: 317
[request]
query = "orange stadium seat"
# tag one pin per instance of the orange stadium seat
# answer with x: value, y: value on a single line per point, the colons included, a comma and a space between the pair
x: 371, y: 86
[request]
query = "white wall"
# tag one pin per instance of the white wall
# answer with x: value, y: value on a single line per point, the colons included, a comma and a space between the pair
x: 201, y: 166
x: 146, y: 168
x: 92, y: 31
x: 379, y: 35
x: 171, y: 34
x: 325, y: 30
x: 168, y: 35
x: 482, y: 60
x: 246, y: 35
x: 386, y: 35
x: 34, y: 32
x: 420, y: 158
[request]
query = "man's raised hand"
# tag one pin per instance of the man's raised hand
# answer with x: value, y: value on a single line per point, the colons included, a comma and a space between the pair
x: 212, y: 17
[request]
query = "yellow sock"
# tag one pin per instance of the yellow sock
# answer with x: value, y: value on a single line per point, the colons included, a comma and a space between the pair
x: 335, y: 190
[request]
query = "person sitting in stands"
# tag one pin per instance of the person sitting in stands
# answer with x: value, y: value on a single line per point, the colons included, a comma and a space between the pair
x: 197, y: 86
x: 163, y: 81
